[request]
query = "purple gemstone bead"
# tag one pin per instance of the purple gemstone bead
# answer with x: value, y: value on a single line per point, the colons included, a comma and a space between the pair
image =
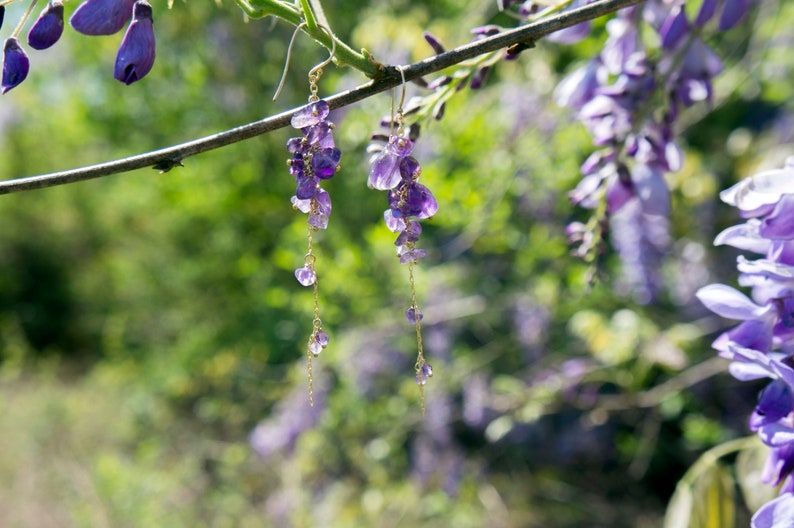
x: 305, y: 276
x: 296, y: 145
x: 394, y: 223
x: 412, y: 255
x: 307, y: 187
x: 419, y: 202
x: 310, y: 114
x: 413, y: 315
x: 409, y: 168
x: 325, y: 161
x: 384, y: 174
x: 424, y: 374
x: 322, y: 338
x: 400, y: 146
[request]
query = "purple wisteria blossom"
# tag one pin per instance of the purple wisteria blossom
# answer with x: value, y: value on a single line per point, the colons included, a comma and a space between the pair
x: 136, y: 53
x: 616, y: 96
x: 48, y: 27
x: 15, y: 64
x: 762, y: 344
x: 102, y: 17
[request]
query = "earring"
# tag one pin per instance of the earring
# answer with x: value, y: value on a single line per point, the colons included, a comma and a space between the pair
x: 396, y: 171
x: 315, y: 158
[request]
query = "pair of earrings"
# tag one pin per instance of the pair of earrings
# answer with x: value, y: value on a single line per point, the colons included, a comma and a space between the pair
x: 315, y: 158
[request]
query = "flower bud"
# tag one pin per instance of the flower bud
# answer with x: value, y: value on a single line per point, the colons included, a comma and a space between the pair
x: 48, y: 27
x: 15, y: 64
x: 136, y: 53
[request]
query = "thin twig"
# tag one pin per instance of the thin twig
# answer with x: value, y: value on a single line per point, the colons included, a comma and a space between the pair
x: 390, y: 78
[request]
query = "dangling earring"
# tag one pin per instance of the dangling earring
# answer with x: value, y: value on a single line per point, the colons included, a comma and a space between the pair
x: 396, y: 171
x: 314, y: 158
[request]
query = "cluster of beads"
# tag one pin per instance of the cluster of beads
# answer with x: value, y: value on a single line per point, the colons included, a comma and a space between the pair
x: 315, y: 158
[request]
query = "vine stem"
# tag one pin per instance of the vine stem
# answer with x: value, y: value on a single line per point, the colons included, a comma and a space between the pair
x: 388, y: 78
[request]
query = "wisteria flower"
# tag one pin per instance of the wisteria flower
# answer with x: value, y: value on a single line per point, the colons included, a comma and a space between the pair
x: 48, y: 27
x: 136, y: 53
x: 15, y: 64
x: 102, y: 17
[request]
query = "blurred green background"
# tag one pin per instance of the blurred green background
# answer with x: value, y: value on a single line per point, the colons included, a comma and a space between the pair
x: 152, y: 333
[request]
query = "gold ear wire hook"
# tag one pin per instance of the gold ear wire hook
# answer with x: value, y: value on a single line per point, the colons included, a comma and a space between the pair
x: 286, y: 61
x: 316, y: 72
x: 399, y: 116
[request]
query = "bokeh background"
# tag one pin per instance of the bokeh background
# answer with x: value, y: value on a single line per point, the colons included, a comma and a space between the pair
x: 152, y: 368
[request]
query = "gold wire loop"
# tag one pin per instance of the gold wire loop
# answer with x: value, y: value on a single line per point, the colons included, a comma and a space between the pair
x: 314, y: 73
x: 317, y: 72
x: 399, y: 116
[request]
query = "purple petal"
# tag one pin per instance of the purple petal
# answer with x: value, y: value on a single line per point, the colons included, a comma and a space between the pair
x: 48, y: 27
x: 707, y: 10
x: 578, y: 87
x: 15, y: 64
x: 753, y: 334
x: 136, y: 53
x: 729, y: 303
x: 675, y: 27
x: 310, y: 114
x: 744, y: 236
x: 732, y: 13
x: 778, y: 513
x: 776, y: 434
x: 651, y: 188
x: 776, y: 402
x: 434, y: 43
x: 779, y: 224
x: 101, y: 17
x: 570, y: 35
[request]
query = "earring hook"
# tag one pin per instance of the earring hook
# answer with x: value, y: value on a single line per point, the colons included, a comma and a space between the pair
x: 314, y: 73
x: 399, y: 116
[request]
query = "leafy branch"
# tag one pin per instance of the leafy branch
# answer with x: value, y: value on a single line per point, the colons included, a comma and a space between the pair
x: 389, y: 77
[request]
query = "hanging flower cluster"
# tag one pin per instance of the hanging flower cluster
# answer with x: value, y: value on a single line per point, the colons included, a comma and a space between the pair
x: 629, y: 98
x: 762, y: 344
x: 136, y: 53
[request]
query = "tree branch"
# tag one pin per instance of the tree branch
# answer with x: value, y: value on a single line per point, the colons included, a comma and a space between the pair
x: 391, y: 78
